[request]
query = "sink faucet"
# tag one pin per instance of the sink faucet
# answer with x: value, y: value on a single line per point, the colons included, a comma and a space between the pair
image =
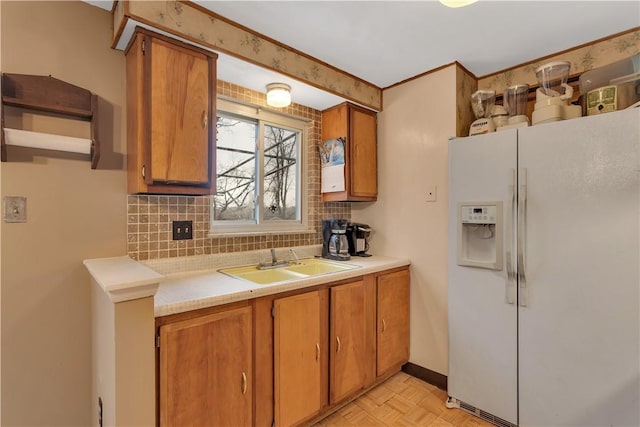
x: 274, y: 262
x: 295, y: 256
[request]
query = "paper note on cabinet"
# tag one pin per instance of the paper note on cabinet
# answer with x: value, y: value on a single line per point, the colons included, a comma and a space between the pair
x: 333, y: 178
x: 332, y: 159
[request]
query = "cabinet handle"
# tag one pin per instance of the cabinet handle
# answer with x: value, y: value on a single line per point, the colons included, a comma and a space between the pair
x: 339, y: 344
x: 317, y: 351
x: 244, y: 383
x: 384, y: 326
x: 205, y: 119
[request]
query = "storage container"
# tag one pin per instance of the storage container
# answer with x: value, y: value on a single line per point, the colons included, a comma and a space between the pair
x: 613, y: 87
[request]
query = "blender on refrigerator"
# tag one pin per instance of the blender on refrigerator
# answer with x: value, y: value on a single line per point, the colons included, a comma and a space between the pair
x: 553, y: 95
x: 500, y: 116
x: 515, y: 102
x: 482, y: 102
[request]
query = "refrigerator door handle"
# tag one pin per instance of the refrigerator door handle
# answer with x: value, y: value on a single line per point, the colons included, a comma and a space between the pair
x: 523, y: 294
x: 510, y: 284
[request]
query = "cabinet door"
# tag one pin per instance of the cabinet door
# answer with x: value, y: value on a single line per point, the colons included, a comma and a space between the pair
x: 179, y: 106
x: 393, y: 321
x: 205, y: 370
x: 350, y: 356
x: 299, y: 357
x: 363, y: 149
x: 358, y: 126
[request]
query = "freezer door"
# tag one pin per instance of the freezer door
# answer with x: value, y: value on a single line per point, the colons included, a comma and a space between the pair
x: 579, y: 329
x: 482, y: 323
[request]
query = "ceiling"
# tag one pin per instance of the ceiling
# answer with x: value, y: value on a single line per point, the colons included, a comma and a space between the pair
x: 385, y: 42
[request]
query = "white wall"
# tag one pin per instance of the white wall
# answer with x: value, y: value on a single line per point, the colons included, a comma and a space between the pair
x: 417, y: 119
x: 73, y: 213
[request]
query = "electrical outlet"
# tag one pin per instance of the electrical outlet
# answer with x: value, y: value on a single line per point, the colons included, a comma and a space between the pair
x: 15, y: 209
x: 182, y: 230
x: 432, y: 193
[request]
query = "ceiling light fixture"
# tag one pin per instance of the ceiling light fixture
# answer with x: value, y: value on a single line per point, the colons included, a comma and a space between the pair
x: 278, y: 95
x: 457, y: 3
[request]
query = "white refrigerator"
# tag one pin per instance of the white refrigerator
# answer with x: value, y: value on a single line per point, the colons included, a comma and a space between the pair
x: 544, y: 273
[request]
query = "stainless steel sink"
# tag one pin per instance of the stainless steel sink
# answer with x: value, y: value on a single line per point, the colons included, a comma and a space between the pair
x: 305, y: 268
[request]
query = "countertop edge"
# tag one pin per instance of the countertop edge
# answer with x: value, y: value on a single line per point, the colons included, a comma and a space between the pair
x: 123, y: 278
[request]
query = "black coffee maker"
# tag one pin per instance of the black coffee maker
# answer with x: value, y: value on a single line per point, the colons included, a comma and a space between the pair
x: 334, y: 239
x: 358, y: 239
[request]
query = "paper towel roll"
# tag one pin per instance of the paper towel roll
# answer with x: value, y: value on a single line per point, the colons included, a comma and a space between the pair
x: 47, y: 141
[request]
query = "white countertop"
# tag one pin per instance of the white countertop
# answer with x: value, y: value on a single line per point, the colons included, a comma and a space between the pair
x: 122, y: 278
x: 189, y: 291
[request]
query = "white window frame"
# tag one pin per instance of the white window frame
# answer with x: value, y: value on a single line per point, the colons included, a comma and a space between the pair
x: 247, y: 228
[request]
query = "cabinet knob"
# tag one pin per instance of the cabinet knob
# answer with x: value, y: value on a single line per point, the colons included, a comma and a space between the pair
x: 339, y: 344
x: 384, y: 325
x: 205, y: 119
x: 317, y: 351
x: 244, y: 383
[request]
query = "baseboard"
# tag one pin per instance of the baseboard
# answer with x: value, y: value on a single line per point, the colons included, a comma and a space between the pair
x: 426, y: 375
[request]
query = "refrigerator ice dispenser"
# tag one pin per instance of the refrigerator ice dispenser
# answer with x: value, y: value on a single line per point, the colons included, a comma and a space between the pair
x: 480, y: 235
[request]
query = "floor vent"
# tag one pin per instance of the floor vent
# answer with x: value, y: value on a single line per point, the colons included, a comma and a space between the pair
x: 485, y: 415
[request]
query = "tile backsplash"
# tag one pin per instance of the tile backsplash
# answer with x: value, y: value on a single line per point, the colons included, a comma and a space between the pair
x: 150, y: 217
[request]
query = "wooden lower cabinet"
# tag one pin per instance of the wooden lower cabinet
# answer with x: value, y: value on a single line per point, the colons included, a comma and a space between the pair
x: 352, y: 338
x: 393, y: 321
x: 282, y: 360
x: 300, y: 357
x: 205, y: 370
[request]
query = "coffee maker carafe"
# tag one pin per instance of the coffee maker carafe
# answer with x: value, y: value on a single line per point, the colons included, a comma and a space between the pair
x: 334, y: 239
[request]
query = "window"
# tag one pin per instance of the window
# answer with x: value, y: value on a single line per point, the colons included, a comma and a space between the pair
x: 260, y: 177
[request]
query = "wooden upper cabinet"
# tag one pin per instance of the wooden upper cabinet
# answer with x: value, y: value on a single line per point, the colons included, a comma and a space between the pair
x: 358, y: 126
x: 205, y: 370
x: 171, y: 115
x: 393, y: 321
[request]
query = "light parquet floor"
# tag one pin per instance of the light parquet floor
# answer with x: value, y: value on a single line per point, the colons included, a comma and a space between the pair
x: 402, y: 400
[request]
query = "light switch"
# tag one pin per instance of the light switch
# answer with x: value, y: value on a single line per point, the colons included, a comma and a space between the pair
x: 15, y: 209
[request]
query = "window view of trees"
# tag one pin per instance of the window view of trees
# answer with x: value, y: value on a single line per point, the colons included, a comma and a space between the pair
x: 240, y: 161
x: 280, y: 157
x: 236, y: 166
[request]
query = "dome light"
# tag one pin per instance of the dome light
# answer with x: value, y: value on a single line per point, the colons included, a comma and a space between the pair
x: 278, y: 95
